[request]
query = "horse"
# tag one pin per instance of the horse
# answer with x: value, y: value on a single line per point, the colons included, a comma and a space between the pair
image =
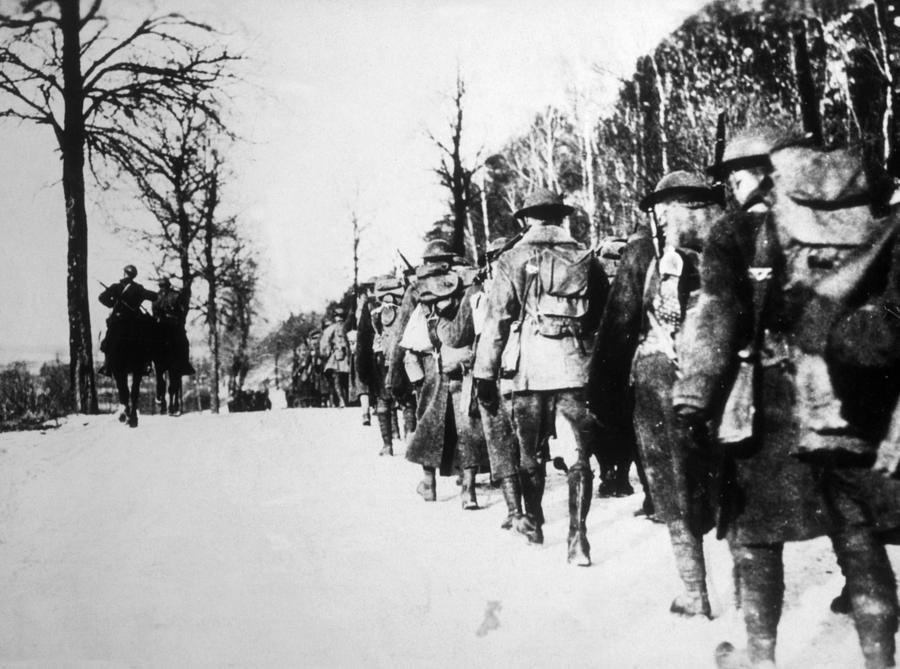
x: 170, y: 362
x: 129, y: 348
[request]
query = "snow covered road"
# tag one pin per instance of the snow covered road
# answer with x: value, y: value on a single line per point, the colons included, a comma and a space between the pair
x: 281, y: 539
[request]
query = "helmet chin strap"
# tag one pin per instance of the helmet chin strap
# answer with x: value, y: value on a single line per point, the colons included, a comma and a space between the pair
x: 759, y: 196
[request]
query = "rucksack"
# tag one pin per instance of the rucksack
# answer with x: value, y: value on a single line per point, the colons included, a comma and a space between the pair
x: 560, y: 298
x: 834, y: 250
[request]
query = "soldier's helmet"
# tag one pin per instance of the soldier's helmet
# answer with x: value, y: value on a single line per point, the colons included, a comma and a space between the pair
x: 750, y: 149
x: 680, y: 185
x: 164, y: 282
x: 437, y: 250
x: 543, y: 204
x: 388, y: 285
x: 130, y: 271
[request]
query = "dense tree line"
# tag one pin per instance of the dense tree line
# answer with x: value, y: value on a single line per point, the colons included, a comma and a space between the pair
x: 828, y: 68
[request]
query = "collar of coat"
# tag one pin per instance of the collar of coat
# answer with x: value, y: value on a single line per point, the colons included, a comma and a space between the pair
x: 547, y: 234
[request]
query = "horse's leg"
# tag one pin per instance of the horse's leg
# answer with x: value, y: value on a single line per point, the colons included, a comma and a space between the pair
x: 175, y: 388
x: 135, y: 397
x: 121, y: 379
x: 160, y: 385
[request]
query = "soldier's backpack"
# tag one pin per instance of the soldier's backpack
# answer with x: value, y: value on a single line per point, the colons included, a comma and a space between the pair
x: 833, y: 253
x: 560, y: 295
x: 609, y: 253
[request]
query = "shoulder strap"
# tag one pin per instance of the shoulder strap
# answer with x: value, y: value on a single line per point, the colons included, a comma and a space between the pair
x: 760, y: 274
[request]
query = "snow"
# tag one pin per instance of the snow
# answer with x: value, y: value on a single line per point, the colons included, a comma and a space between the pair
x: 281, y: 539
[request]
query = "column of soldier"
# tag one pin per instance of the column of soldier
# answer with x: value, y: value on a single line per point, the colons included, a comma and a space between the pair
x: 747, y: 350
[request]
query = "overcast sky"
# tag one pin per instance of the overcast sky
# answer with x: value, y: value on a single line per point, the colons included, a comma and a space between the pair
x: 339, y: 98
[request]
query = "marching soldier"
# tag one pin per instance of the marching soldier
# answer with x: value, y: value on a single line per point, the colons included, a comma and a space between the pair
x: 500, y: 438
x: 359, y: 389
x: 437, y: 252
x: 544, y: 305
x: 770, y: 497
x: 376, y: 331
x: 446, y: 433
x: 609, y: 387
x: 647, y: 308
x: 335, y: 349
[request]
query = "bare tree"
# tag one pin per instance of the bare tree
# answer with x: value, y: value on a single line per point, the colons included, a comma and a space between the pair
x: 238, y: 309
x: 54, y: 57
x: 454, y: 175
x: 172, y: 166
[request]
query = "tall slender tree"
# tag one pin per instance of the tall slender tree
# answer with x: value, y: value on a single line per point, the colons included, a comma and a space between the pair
x: 453, y: 172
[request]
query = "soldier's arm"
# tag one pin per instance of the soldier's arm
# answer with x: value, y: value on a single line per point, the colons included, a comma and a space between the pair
x: 396, y: 376
x: 325, y: 342
x: 598, y: 291
x: 502, y: 309
x: 720, y: 325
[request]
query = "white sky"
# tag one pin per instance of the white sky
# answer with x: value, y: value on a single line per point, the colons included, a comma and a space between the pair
x: 339, y: 99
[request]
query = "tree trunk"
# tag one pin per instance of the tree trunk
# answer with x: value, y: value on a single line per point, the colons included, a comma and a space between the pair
x: 71, y: 144
x: 212, y: 314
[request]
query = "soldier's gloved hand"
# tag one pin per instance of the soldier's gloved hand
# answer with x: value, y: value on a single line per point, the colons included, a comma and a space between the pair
x: 691, y: 427
x: 488, y: 394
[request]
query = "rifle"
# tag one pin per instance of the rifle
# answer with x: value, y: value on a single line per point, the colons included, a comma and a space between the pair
x: 119, y: 301
x: 718, y: 154
x: 512, y: 241
x: 409, y: 267
x: 655, y: 237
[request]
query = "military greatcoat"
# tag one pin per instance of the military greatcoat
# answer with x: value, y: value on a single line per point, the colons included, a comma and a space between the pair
x: 446, y: 435
x: 771, y: 497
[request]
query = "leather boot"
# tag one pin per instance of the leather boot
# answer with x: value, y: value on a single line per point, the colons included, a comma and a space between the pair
x: 409, y: 419
x: 512, y: 495
x: 384, y: 425
x: 133, y: 417
x: 691, y: 566
x: 872, y: 591
x: 533, y: 494
x: 469, y: 501
x: 516, y: 520
x: 729, y: 657
x: 762, y: 598
x: 580, y: 481
x: 426, y: 487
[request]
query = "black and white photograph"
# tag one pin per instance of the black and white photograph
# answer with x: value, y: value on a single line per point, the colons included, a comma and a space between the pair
x: 443, y: 334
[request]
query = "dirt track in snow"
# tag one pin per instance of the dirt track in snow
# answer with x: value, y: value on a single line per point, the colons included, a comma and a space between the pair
x: 281, y: 539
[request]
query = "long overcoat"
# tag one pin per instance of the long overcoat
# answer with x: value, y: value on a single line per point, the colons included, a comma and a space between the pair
x: 447, y: 436
x: 609, y: 389
x: 771, y: 496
